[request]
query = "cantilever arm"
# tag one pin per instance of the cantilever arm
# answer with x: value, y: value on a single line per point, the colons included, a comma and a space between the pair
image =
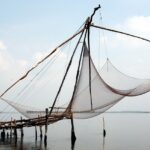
x: 120, y: 32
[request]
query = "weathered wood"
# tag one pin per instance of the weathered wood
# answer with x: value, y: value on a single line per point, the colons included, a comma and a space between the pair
x: 22, y: 133
x: 41, y: 133
x: 46, y: 126
x: 35, y: 133
x: 15, y: 130
x: 120, y: 32
x: 11, y: 128
x: 39, y: 121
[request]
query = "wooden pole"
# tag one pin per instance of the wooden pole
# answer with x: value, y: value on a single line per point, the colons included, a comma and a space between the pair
x: 22, y: 133
x: 46, y: 126
x: 120, y: 32
x: 73, y: 136
x: 11, y: 128
x: 35, y: 133
x: 15, y: 130
x: 40, y: 127
x: 41, y: 134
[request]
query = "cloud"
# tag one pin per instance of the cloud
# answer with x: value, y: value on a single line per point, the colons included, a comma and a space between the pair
x: 128, y: 51
x: 140, y: 24
x: 8, y: 63
x: 2, y: 46
x: 22, y: 63
x: 39, y: 55
x: 4, y: 57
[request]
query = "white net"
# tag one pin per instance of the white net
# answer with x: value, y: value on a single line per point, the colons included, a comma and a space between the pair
x: 103, y: 96
x: 116, y: 79
x: 106, y: 91
x: 24, y: 110
x: 107, y: 88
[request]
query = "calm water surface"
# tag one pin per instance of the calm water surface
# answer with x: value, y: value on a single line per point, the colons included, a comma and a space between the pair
x: 124, y: 132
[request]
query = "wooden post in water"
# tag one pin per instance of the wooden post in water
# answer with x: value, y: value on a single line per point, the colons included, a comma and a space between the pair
x: 73, y: 136
x: 40, y: 127
x: 22, y: 133
x: 104, y: 131
x: 35, y: 133
x: 15, y: 130
x: 11, y: 128
x: 46, y: 126
x: 41, y: 134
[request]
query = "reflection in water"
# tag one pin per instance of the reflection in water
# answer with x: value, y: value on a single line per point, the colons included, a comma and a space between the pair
x: 73, y: 145
x: 19, y: 144
x: 23, y: 143
x: 122, y: 130
x: 103, y: 143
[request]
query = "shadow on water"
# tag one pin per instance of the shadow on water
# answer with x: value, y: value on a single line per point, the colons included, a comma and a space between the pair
x: 121, y: 134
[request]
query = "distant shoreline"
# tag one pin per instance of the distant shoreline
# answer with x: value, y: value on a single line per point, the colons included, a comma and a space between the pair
x: 128, y: 112
x: 104, y: 112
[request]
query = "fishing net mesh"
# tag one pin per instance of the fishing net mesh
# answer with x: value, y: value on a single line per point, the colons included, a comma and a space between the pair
x: 107, y: 88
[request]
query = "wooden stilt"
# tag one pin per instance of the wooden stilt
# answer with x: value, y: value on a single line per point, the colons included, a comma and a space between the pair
x: 11, y: 128
x: 104, y: 131
x: 15, y: 130
x: 7, y: 135
x: 41, y: 134
x: 22, y: 133
x: 46, y: 126
x: 35, y: 133
x: 40, y: 127
x: 73, y: 136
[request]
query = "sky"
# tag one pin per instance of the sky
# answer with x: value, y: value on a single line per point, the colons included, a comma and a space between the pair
x: 30, y: 29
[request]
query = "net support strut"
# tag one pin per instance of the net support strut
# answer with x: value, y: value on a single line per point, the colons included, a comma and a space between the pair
x: 120, y: 32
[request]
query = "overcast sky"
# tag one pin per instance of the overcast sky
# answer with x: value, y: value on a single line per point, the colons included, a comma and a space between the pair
x: 30, y: 29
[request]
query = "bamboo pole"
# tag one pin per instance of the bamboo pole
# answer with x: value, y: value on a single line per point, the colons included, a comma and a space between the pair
x: 46, y: 126
x: 22, y: 133
x: 11, y: 128
x: 35, y: 133
x: 41, y: 133
x: 120, y: 32
x: 15, y: 130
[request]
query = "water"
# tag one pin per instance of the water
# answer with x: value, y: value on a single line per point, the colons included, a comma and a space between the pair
x: 124, y: 132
